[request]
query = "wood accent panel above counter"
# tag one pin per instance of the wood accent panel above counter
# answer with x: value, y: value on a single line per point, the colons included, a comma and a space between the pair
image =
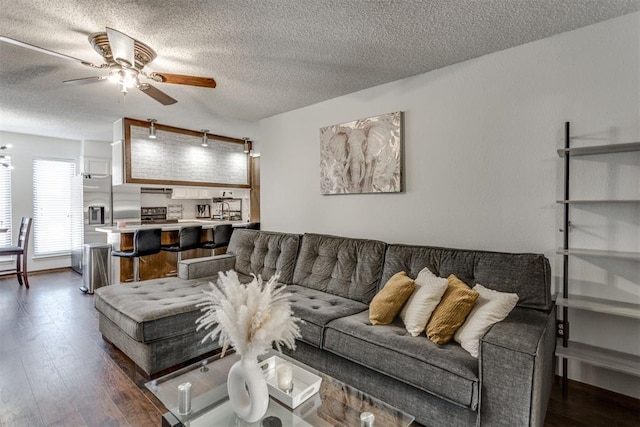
x: 176, y: 157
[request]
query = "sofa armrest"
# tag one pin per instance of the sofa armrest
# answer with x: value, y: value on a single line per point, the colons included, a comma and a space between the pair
x: 197, y: 268
x: 516, y: 369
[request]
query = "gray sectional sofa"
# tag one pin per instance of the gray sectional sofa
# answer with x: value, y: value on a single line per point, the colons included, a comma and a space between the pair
x: 332, y: 280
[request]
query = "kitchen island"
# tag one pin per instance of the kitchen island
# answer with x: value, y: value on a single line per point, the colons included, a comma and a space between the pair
x: 162, y: 264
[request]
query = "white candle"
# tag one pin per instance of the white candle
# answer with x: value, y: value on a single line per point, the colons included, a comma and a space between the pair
x: 184, y: 401
x: 284, y: 376
x: 367, y: 419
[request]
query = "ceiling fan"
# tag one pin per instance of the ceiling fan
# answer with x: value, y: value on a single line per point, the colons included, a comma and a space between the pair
x: 125, y: 59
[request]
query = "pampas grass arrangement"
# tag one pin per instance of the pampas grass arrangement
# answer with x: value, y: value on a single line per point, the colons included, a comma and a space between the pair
x: 248, y: 317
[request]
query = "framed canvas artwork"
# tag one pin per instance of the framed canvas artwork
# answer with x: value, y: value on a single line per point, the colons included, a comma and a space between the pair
x: 362, y: 156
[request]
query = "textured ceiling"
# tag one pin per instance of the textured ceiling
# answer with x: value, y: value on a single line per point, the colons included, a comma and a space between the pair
x: 268, y: 56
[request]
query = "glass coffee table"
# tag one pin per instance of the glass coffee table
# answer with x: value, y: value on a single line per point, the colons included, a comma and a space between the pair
x: 336, y: 404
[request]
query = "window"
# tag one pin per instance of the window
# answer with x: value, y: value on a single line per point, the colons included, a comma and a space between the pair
x: 52, y: 206
x: 5, y: 204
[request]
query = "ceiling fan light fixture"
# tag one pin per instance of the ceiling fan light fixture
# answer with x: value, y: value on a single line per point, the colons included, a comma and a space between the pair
x: 152, y: 128
x: 127, y: 78
x: 205, y: 139
x: 124, y: 60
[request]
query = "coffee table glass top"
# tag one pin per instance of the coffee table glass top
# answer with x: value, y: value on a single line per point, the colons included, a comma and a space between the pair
x: 336, y: 404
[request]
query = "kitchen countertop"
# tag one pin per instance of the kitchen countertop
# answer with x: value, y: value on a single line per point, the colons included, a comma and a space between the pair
x: 132, y: 227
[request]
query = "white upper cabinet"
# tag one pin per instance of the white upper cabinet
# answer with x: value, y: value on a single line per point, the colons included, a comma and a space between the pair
x: 96, y: 165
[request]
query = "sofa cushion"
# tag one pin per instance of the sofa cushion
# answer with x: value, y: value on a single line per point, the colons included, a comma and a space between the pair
x: 528, y: 275
x: 491, y: 307
x: 447, y: 371
x: 449, y: 315
x: 349, y: 268
x: 153, y: 309
x: 264, y: 253
x: 386, y: 305
x: 317, y: 309
x: 416, y: 312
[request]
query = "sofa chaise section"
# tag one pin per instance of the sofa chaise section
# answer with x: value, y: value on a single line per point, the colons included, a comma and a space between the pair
x: 153, y: 322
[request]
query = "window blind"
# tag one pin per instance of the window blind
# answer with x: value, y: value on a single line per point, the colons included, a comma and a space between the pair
x: 52, y: 206
x: 5, y: 204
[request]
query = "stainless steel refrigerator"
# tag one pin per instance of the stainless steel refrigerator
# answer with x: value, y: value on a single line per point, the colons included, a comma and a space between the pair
x: 92, y: 207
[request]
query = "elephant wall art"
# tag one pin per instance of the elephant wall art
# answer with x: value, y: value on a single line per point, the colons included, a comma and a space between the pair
x: 363, y: 156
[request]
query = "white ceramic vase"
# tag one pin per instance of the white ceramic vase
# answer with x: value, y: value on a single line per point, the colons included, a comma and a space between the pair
x: 248, y: 391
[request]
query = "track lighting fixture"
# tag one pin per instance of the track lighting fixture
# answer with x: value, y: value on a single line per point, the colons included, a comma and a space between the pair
x: 205, y: 140
x: 247, y: 149
x: 152, y: 128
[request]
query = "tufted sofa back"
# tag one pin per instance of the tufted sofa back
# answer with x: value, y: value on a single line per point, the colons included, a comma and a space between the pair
x: 528, y: 275
x: 264, y: 253
x: 349, y: 268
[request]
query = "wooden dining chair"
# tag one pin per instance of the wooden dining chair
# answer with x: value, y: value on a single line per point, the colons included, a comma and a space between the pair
x: 20, y: 251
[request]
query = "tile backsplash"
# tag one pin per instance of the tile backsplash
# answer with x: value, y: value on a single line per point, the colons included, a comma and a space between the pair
x: 189, y: 205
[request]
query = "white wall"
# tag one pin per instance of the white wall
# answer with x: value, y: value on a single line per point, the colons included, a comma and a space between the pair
x: 481, y: 167
x: 25, y: 149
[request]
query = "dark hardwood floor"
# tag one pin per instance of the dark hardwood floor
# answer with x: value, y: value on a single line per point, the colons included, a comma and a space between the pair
x: 55, y: 369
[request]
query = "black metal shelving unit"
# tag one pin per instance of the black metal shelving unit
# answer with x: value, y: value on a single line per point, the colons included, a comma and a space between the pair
x: 566, y: 349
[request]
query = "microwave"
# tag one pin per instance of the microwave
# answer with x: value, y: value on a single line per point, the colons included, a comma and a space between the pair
x: 96, y: 215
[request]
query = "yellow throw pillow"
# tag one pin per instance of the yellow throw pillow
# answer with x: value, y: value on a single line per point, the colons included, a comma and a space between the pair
x: 450, y: 314
x: 386, y: 305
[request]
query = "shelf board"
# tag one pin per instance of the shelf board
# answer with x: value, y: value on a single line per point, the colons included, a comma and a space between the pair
x: 599, y: 305
x: 600, y: 149
x: 634, y: 256
x: 599, y: 356
x: 596, y: 201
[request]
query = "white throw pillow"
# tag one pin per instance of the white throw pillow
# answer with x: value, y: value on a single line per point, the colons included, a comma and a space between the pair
x: 491, y: 307
x: 417, y: 310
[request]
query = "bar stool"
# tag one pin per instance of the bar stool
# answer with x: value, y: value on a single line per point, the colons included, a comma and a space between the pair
x: 221, y: 238
x: 146, y: 241
x: 188, y: 238
x: 20, y: 251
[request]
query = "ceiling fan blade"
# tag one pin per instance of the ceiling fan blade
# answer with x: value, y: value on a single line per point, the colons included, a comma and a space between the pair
x: 47, y: 51
x: 184, y: 80
x: 156, y: 94
x: 85, y: 80
x: 121, y: 47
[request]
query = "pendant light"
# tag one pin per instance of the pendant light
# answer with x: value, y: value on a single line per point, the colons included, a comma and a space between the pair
x: 205, y: 140
x: 152, y: 128
x: 246, y: 145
